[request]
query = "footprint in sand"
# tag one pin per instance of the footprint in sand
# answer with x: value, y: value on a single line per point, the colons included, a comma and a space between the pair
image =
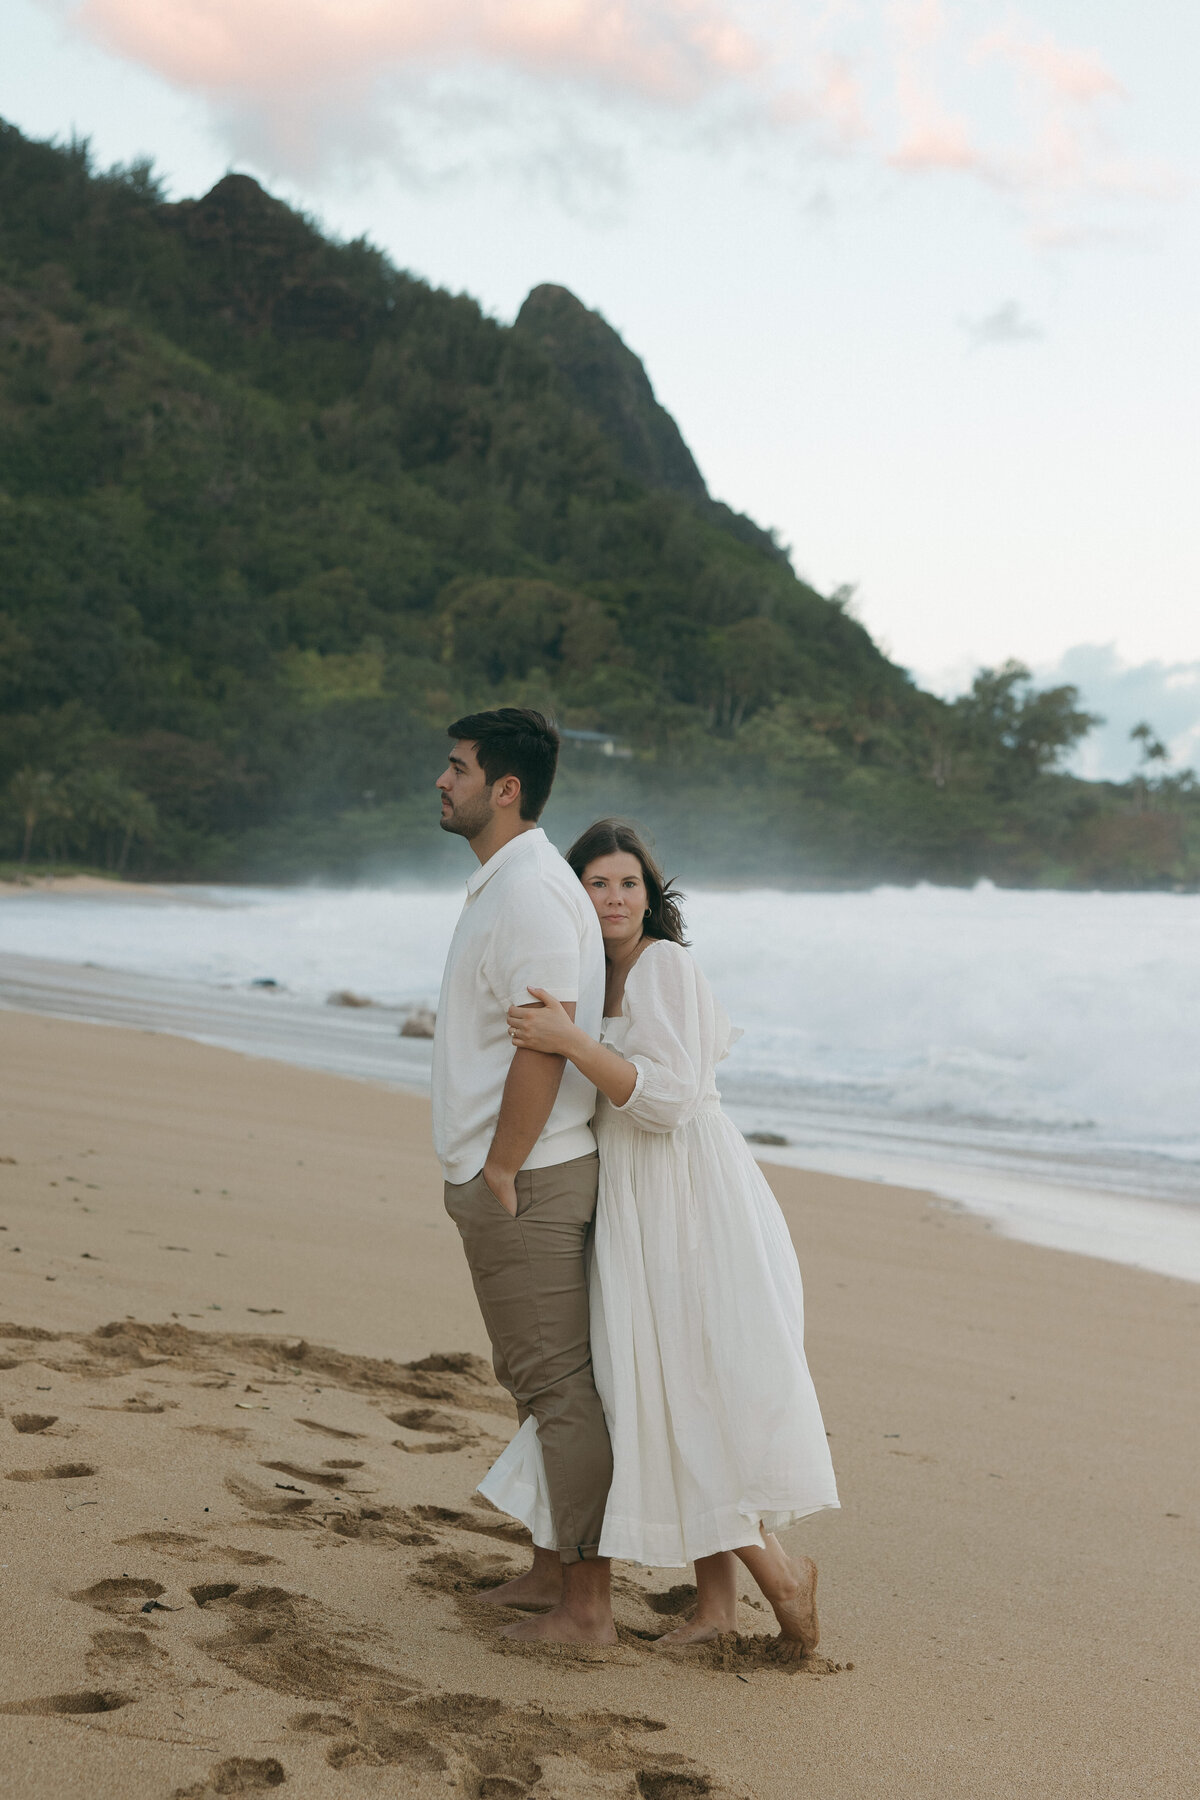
x: 49, y: 1704
x: 292, y: 1645
x: 676, y: 1600
x: 484, y: 1524
x: 318, y: 1724
x: 277, y: 1507
x: 428, y: 1419
x: 243, y: 1559
x: 670, y: 1784
x: 385, y: 1527
x: 735, y: 1653
x: 318, y: 1477
x: 161, y: 1540
x: 138, y: 1403
x: 30, y: 1422
x: 123, y: 1653
x: 56, y: 1472
x: 332, y: 1431
x: 206, y: 1591
x: 236, y: 1775
x: 374, y: 1740
x: 499, y: 1752
x: 190, y: 1549
x: 119, y: 1593
x: 449, y: 1572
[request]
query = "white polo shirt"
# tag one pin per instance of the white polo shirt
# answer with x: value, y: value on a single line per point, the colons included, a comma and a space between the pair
x: 527, y: 922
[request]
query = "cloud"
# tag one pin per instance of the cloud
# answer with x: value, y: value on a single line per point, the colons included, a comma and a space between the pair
x: 442, y: 88
x: 1028, y: 116
x: 1006, y: 325
x: 1165, y: 695
x: 1078, y: 75
x: 669, y: 51
x: 931, y: 136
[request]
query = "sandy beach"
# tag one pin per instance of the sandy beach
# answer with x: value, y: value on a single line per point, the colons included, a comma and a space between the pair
x: 245, y: 1406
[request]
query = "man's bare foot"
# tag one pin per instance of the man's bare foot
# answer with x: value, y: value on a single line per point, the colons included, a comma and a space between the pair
x: 562, y: 1625
x: 583, y: 1613
x: 694, y: 1631
x: 799, y: 1628
x: 537, y: 1590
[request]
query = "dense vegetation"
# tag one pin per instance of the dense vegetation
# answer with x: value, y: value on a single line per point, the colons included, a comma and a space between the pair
x: 271, y: 512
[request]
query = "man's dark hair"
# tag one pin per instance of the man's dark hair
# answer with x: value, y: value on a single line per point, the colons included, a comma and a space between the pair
x: 513, y: 740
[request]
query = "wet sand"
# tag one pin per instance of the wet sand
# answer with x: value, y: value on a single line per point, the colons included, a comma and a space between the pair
x: 245, y: 1405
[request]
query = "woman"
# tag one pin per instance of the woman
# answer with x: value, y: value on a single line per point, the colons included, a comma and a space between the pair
x: 696, y: 1300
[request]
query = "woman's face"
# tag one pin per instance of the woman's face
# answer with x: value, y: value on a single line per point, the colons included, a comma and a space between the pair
x: 617, y: 889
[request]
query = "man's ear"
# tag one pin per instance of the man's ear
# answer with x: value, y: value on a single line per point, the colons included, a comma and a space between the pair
x: 507, y: 791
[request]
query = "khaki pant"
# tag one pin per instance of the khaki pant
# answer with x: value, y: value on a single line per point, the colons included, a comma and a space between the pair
x: 531, y: 1284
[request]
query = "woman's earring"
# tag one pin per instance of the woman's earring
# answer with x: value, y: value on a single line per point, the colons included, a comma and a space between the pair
x: 646, y: 914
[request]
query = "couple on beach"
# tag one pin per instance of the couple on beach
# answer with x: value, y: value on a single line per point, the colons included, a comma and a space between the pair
x: 632, y: 1266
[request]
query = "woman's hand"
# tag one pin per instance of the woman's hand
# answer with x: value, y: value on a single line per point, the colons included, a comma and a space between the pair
x: 547, y: 1026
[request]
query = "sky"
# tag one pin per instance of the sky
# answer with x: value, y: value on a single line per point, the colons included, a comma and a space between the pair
x: 917, y: 278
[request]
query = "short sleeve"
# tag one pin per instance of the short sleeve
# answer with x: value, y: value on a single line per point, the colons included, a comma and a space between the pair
x: 665, y: 1039
x: 538, y: 946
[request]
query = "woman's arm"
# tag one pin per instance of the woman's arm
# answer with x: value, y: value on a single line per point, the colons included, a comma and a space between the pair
x: 548, y: 1028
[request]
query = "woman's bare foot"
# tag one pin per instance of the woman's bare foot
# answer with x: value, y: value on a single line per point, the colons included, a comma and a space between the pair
x: 799, y: 1627
x: 716, y: 1604
x: 537, y: 1590
x: 694, y: 1631
x: 789, y: 1585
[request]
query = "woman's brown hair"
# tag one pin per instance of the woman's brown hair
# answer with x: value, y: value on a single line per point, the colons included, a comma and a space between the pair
x: 609, y: 836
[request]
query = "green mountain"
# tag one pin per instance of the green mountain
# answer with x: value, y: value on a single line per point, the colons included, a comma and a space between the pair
x: 272, y: 511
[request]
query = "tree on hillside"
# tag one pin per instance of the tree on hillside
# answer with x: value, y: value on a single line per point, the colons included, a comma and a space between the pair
x: 37, y: 797
x: 106, y: 812
x: 1014, y: 732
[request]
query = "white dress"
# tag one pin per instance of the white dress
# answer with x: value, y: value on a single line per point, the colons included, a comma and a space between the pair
x: 696, y: 1304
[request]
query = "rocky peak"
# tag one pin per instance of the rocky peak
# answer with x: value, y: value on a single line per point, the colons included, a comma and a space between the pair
x: 607, y: 380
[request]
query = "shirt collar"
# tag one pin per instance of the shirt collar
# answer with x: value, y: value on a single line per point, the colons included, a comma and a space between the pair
x: 517, y: 846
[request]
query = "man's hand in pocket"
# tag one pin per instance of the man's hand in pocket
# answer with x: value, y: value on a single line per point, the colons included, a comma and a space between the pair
x: 503, y: 1186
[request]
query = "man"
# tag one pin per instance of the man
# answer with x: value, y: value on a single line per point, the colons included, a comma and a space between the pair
x: 512, y: 1133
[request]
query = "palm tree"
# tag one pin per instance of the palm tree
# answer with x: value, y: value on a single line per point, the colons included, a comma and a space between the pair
x: 1151, y: 749
x: 37, y: 795
x: 104, y: 805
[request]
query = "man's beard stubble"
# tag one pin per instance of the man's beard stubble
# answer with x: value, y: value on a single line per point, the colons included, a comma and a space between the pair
x: 470, y: 818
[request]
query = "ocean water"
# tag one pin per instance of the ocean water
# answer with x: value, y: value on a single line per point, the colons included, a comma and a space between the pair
x: 1034, y: 1056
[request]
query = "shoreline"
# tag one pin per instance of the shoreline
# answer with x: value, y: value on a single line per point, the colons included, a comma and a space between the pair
x: 1015, y: 1430
x: 88, y: 883
x: 1032, y: 1205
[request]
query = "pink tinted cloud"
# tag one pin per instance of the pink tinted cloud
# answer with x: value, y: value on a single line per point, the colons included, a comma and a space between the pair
x: 936, y: 143
x: 667, y: 50
x: 1056, y: 160
x: 1069, y: 74
x: 300, y: 82
x: 931, y: 137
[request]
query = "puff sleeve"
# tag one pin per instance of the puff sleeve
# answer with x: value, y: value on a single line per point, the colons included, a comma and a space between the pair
x: 667, y: 1002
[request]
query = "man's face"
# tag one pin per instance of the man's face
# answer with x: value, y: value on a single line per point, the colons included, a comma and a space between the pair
x: 466, y: 793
